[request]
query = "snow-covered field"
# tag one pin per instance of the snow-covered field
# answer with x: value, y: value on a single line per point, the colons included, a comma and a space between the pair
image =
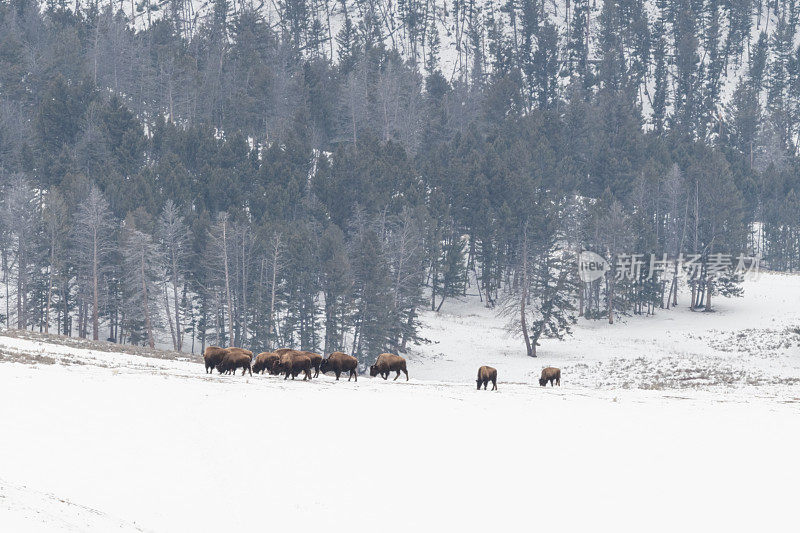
x: 681, y: 421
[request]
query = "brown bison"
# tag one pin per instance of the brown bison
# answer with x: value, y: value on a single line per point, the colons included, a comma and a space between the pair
x: 265, y: 361
x: 292, y: 362
x: 212, y: 357
x: 236, y: 358
x: 316, y: 361
x: 485, y: 375
x: 339, y: 362
x: 550, y: 374
x: 386, y: 363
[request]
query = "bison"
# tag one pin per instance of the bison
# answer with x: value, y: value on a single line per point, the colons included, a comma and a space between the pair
x: 386, y: 363
x: 265, y: 361
x: 339, y: 362
x: 316, y: 361
x: 292, y: 362
x: 485, y: 375
x: 550, y: 374
x: 236, y: 358
x: 212, y: 357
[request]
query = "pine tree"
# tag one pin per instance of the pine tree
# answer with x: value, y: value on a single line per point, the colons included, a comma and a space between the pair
x: 20, y: 218
x: 578, y: 44
x: 372, y: 303
x: 336, y: 282
x: 660, y: 76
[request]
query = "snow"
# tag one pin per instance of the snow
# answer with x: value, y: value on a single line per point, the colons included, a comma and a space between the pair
x: 99, y: 441
x: 744, y: 341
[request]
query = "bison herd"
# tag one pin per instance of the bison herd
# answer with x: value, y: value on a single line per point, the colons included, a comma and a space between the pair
x: 284, y: 361
x: 290, y: 362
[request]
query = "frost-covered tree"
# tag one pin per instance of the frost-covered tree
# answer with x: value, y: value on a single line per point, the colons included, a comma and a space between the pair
x: 56, y: 225
x: 542, y: 303
x: 20, y: 218
x: 142, y: 261
x: 219, y: 257
x: 93, y: 236
x: 173, y: 240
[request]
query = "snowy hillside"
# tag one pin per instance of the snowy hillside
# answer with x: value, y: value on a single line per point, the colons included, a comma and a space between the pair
x: 449, y: 31
x: 683, y: 418
x: 754, y: 340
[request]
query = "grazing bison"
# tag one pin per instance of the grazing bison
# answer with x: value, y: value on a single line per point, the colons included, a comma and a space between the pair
x: 550, y: 374
x: 386, y: 363
x: 265, y: 361
x: 485, y: 375
x: 316, y: 359
x: 212, y: 357
x: 292, y: 362
x: 339, y: 362
x: 236, y: 358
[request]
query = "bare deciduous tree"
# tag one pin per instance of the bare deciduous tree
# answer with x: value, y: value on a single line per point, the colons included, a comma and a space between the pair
x: 94, y: 228
x: 173, y: 238
x: 142, y: 262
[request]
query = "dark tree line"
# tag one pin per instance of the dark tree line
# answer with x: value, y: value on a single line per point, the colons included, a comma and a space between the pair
x: 217, y: 177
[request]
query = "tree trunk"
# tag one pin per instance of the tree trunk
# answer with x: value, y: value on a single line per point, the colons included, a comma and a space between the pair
x: 611, y: 302
x: 21, y: 268
x: 275, y: 252
x: 178, y: 328
x: 244, y: 289
x: 169, y: 319
x: 434, y: 281
x: 227, y: 280
x: 49, y: 289
x: 523, y: 301
x: 95, y: 291
x: 5, y: 283
x: 148, y: 324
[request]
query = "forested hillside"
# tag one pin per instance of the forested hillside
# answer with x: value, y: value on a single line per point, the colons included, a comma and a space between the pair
x: 314, y: 173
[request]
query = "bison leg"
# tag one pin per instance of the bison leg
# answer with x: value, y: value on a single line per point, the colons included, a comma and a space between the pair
x: 404, y: 372
x: 494, y: 384
x: 338, y: 373
x: 316, y: 371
